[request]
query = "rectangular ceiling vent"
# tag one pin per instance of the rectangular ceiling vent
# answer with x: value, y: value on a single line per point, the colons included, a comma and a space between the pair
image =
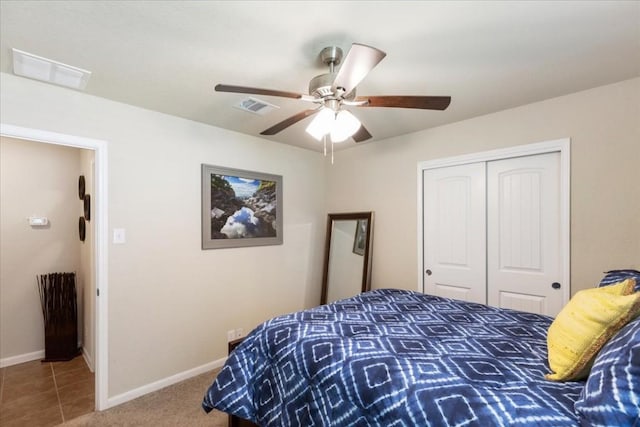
x: 36, y: 67
x: 256, y: 106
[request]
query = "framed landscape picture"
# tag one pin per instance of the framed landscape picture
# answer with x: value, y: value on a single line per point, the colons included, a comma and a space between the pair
x: 360, y: 239
x: 240, y: 208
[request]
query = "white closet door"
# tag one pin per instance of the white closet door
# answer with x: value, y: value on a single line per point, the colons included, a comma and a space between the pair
x: 523, y: 247
x: 454, y: 232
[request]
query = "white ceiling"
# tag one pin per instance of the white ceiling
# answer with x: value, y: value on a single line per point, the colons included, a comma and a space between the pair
x: 488, y: 56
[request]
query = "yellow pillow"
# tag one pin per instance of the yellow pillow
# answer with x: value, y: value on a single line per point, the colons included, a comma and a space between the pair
x: 585, y: 324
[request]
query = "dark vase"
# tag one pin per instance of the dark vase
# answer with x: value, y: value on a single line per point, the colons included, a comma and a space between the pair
x: 60, y: 312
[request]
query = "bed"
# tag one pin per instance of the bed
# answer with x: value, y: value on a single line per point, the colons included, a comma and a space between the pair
x: 400, y: 358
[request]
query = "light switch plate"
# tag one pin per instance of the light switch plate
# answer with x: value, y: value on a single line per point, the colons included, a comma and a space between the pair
x: 119, y: 236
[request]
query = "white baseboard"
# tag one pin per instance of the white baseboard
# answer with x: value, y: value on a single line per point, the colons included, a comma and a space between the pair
x: 88, y: 359
x: 21, y: 358
x: 165, y: 382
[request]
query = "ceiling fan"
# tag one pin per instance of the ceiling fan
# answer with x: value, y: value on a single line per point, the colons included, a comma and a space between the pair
x: 335, y: 90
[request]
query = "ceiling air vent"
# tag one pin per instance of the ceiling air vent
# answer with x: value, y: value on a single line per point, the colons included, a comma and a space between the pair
x: 256, y: 106
x: 36, y: 67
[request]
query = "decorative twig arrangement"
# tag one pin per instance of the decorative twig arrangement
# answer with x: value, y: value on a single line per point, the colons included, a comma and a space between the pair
x: 60, y: 312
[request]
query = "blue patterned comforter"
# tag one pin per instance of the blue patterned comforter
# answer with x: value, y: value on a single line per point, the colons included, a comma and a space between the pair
x: 395, y: 358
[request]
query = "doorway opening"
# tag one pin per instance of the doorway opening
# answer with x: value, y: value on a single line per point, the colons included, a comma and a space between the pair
x: 99, y: 215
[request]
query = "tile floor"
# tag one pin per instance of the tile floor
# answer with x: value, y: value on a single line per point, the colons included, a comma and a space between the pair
x: 45, y: 394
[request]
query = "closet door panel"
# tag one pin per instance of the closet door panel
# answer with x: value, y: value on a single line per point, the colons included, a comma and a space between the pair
x: 454, y: 232
x: 523, y: 229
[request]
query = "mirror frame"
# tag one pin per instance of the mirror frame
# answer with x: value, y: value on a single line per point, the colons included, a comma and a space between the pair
x: 366, y: 269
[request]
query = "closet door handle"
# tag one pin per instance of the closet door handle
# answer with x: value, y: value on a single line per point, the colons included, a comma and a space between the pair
x: 556, y: 285
x: 429, y: 272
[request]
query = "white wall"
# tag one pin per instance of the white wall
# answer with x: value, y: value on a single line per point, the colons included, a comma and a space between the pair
x: 604, y: 127
x: 35, y: 179
x: 171, y: 303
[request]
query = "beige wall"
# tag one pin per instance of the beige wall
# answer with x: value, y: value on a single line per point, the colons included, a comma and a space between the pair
x: 604, y: 127
x: 171, y: 303
x: 36, y: 179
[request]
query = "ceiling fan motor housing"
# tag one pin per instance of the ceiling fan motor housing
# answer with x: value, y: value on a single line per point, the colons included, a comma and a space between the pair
x: 320, y: 86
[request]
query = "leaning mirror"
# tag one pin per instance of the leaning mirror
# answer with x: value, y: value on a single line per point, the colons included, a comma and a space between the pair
x: 347, y: 257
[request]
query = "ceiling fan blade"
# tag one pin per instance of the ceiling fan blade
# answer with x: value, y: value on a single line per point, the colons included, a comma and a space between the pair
x: 289, y: 121
x: 356, y: 65
x: 256, y: 91
x: 361, y: 135
x: 423, y: 102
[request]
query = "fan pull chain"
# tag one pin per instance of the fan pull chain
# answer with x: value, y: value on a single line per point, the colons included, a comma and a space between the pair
x: 331, y: 152
x: 324, y: 140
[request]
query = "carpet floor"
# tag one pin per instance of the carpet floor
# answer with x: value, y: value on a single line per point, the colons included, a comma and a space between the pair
x: 176, y: 405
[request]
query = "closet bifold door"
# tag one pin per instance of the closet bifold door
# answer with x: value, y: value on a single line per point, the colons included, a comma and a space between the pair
x: 523, y: 232
x: 454, y: 230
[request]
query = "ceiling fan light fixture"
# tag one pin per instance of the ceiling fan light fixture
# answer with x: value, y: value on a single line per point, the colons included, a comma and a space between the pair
x: 345, y: 125
x: 321, y: 123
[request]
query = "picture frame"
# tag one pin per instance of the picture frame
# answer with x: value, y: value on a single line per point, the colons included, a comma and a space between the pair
x: 240, y: 208
x: 81, y: 228
x: 81, y: 187
x: 360, y: 238
x: 86, y: 207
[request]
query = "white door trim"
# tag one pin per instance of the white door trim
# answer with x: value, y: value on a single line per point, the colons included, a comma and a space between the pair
x: 101, y: 240
x: 563, y: 146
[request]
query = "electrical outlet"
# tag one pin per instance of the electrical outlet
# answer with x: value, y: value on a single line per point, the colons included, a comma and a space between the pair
x: 239, y: 333
x: 231, y: 335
